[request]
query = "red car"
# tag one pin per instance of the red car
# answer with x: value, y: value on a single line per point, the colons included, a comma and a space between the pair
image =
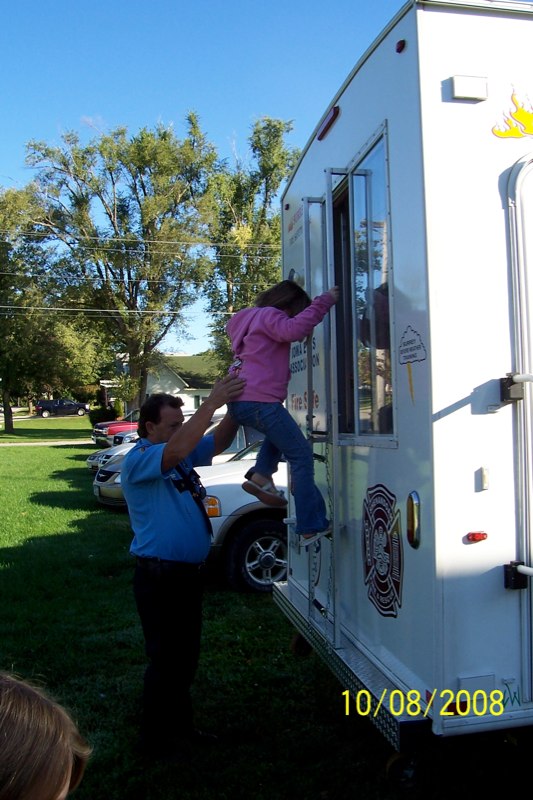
x: 104, y: 432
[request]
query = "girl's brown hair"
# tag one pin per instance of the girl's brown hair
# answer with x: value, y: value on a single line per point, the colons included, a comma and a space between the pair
x: 40, y: 745
x: 287, y: 296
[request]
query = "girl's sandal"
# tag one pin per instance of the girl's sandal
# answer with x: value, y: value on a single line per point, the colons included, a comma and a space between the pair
x: 267, y: 493
x: 310, y: 538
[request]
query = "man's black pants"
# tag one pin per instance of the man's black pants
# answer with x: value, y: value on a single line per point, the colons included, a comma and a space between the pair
x: 169, y: 601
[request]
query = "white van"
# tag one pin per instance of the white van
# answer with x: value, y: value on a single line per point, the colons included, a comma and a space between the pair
x: 415, y: 195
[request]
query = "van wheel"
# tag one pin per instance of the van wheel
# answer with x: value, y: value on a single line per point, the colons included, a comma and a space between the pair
x: 81, y: 412
x: 45, y: 413
x: 258, y: 556
x: 402, y: 771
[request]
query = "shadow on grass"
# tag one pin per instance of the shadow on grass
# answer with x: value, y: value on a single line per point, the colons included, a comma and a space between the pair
x: 80, y: 482
x: 67, y: 617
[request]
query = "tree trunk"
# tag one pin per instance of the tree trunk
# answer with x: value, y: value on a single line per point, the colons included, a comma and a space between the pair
x: 8, y: 413
x: 143, y: 385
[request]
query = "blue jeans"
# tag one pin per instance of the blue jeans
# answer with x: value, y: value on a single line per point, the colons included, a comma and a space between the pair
x: 283, y: 436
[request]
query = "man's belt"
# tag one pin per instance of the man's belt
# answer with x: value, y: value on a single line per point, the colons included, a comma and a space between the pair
x: 158, y: 564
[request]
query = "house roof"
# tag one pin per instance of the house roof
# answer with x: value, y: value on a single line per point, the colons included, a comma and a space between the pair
x: 199, y: 371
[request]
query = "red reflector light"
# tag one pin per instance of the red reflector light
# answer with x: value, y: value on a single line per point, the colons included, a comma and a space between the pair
x: 331, y: 116
x: 476, y: 536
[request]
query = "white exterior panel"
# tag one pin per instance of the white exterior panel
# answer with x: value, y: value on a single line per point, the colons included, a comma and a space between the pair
x: 444, y: 92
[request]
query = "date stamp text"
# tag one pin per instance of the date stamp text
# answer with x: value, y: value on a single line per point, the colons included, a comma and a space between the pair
x: 445, y: 702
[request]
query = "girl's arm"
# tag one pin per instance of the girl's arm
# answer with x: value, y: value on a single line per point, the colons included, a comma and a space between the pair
x: 291, y: 329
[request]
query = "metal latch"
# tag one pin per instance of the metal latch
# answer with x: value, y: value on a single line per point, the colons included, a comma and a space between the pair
x: 512, y: 387
x: 516, y: 575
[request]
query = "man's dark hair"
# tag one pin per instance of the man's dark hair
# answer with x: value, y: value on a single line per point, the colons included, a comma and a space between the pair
x: 151, y: 410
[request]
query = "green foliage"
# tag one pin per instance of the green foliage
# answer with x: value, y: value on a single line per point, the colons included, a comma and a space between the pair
x: 118, y: 406
x: 40, y: 351
x: 125, y: 388
x: 115, y: 231
x: 129, y: 212
x: 102, y: 414
x: 246, y: 228
x: 86, y: 393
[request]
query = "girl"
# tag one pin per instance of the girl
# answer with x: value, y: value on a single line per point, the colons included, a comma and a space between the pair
x: 261, y: 338
x: 42, y: 755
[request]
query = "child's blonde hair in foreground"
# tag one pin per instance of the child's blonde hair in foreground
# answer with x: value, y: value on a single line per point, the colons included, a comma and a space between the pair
x: 41, y: 748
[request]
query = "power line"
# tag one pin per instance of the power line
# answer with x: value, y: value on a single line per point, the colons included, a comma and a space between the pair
x: 138, y: 242
x: 115, y: 280
x: 111, y: 311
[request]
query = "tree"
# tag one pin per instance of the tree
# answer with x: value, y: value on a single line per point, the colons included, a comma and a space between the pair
x: 17, y: 292
x: 130, y: 214
x: 245, y: 230
x: 39, y: 350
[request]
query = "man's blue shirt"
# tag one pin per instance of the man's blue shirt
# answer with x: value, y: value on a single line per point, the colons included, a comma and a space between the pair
x: 166, y: 523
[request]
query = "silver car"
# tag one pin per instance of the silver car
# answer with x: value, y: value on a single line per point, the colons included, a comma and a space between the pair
x: 249, y: 538
x: 101, y: 457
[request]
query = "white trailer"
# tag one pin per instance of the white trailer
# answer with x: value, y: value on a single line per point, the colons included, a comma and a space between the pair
x: 415, y: 195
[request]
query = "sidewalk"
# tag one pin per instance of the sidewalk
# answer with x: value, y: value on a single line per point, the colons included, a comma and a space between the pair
x: 49, y: 442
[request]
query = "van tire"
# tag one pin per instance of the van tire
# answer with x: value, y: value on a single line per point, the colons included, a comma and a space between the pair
x: 257, y: 556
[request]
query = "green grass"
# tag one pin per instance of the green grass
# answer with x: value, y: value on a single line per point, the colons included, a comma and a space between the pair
x: 67, y: 618
x: 36, y: 429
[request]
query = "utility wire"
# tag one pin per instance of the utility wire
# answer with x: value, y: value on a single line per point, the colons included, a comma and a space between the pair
x: 136, y: 241
x: 111, y: 311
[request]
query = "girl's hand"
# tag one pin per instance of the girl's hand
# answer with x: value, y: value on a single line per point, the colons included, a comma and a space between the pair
x: 334, y: 292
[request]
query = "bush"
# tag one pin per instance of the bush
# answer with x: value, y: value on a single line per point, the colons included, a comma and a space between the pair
x: 118, y: 405
x: 102, y: 414
x: 85, y: 394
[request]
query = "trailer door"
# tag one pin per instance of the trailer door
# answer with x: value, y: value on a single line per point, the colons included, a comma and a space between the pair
x: 520, y: 200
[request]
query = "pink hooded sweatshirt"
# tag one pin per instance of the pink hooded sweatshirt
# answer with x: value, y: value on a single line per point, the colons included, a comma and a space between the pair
x: 261, y: 338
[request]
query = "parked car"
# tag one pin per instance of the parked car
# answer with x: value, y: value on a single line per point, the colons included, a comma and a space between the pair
x: 249, y: 538
x: 129, y: 435
x: 104, y: 432
x: 244, y: 436
x: 124, y: 442
x: 100, y: 457
x: 61, y: 407
x: 123, y: 437
x: 120, y: 431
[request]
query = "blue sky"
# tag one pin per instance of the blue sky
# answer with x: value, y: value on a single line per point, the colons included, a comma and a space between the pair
x: 91, y: 65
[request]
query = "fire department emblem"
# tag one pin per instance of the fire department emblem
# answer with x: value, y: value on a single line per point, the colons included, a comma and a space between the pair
x: 382, y: 550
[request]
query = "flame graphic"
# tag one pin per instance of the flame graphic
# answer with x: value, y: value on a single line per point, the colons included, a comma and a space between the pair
x: 519, y: 122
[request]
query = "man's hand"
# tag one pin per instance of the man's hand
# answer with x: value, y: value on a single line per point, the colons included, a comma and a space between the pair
x: 185, y: 439
x: 225, y: 390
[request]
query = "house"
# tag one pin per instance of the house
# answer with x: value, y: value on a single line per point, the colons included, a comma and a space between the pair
x: 192, y: 377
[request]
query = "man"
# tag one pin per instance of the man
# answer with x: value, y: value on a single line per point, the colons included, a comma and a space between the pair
x: 172, y: 536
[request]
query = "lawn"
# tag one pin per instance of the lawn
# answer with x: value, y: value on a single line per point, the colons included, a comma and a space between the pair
x: 37, y: 429
x: 67, y: 618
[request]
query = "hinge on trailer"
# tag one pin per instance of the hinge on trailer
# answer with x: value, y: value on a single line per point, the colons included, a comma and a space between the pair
x: 510, y: 390
x: 514, y: 577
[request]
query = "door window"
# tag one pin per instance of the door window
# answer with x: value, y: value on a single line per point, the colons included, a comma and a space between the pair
x: 371, y: 289
x: 363, y: 270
